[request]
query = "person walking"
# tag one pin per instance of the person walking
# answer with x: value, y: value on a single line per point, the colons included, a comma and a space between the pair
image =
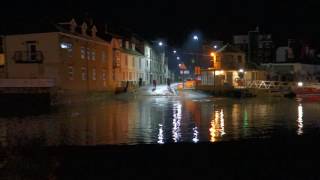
x: 169, y: 82
x: 154, y: 82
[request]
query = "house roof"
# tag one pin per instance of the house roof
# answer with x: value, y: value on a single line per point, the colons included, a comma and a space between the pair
x: 130, y: 51
x: 44, y: 26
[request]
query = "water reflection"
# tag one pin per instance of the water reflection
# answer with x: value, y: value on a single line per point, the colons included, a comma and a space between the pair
x: 195, y: 138
x: 177, y: 115
x: 161, y: 120
x: 217, y: 126
x: 300, y: 120
x: 160, y: 135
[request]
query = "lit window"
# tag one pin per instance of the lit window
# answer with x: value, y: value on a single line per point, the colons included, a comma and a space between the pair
x: 88, y: 53
x: 70, y: 72
x: 84, y: 73
x: 65, y: 45
x: 93, y: 55
x: 83, y: 53
x: 94, y: 74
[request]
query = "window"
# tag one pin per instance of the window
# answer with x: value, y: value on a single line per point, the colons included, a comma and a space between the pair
x: 70, y: 73
x: 88, y: 53
x: 103, y: 74
x: 84, y: 73
x: 130, y: 75
x: 94, y: 74
x: 239, y: 59
x: 124, y: 76
x: 103, y: 56
x: 104, y: 77
x: 93, y: 55
x: 140, y: 61
x: 126, y: 60
x: 83, y: 53
x: 133, y: 62
x: 67, y: 46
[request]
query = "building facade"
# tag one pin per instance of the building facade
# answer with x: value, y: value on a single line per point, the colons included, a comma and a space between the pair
x: 72, y: 57
x: 229, y: 69
x: 259, y: 48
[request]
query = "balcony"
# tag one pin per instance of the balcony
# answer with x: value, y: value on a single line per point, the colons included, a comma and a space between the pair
x: 28, y: 57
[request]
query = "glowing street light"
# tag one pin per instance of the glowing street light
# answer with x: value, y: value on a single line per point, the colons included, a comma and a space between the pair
x: 241, y: 70
x: 174, y: 52
x: 195, y: 37
x: 178, y: 58
x: 300, y: 84
x: 160, y: 43
x: 215, y: 46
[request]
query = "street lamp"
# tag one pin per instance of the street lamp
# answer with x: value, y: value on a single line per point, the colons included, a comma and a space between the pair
x: 195, y: 37
x: 215, y: 46
x: 174, y: 52
x: 160, y: 43
x: 178, y: 58
x: 213, y: 55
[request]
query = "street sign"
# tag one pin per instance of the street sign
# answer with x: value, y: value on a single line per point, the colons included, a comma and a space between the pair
x: 185, y: 72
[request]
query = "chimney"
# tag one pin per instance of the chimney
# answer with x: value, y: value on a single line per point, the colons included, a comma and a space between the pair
x: 133, y: 46
x: 84, y: 28
x: 94, y: 31
x: 73, y: 25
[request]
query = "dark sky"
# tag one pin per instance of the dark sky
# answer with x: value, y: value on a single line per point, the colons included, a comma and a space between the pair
x: 175, y: 20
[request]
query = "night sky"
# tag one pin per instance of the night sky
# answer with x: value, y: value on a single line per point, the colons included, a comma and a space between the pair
x: 175, y: 20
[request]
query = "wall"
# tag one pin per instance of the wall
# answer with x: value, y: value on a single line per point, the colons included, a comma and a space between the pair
x: 47, y: 43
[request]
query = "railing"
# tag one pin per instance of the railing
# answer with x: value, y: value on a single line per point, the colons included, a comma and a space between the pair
x: 269, y: 84
x: 23, y: 83
x: 28, y: 57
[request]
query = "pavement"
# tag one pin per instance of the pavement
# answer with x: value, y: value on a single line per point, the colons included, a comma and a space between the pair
x: 160, y: 90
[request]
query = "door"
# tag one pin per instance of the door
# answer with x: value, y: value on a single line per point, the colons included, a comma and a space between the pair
x: 230, y: 78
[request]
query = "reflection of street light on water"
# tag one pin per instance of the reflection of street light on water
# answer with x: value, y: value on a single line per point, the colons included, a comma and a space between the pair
x: 300, y: 120
x: 160, y: 135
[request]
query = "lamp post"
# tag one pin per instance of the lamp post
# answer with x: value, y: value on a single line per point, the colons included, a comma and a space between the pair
x: 213, y: 55
x: 182, y: 67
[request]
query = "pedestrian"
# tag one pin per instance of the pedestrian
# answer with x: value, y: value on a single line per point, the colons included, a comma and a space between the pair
x: 168, y: 82
x: 154, y: 82
x: 140, y: 82
x: 127, y: 86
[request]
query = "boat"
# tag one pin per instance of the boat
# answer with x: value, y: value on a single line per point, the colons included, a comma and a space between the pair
x: 306, y: 89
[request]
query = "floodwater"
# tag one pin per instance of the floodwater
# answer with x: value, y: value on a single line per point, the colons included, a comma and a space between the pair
x: 161, y: 120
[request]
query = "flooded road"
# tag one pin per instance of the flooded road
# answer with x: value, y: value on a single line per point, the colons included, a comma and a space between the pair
x: 160, y: 120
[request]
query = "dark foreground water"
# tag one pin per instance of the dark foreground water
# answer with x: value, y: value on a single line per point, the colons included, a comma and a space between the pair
x: 161, y: 120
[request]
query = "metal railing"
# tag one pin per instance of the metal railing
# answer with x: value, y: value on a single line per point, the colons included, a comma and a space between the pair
x: 28, y: 57
x: 269, y: 84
